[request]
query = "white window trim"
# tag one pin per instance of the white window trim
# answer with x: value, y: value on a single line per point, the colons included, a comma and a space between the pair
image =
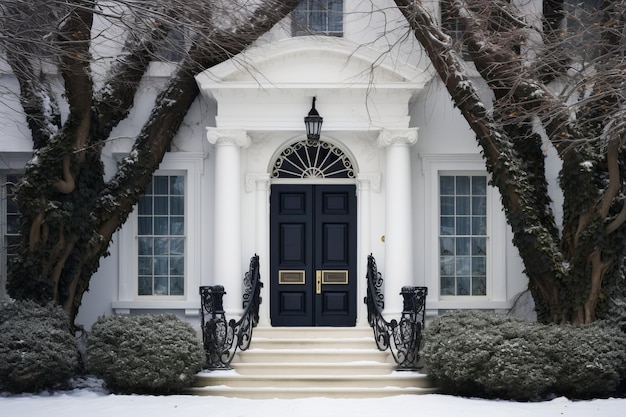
x: 192, y: 164
x: 452, y: 164
x: 10, y: 163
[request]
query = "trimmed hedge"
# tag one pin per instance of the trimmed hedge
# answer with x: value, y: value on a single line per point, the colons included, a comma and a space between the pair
x: 154, y: 354
x: 493, y: 356
x: 37, y: 350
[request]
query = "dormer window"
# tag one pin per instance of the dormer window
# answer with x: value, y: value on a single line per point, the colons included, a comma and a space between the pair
x: 318, y: 17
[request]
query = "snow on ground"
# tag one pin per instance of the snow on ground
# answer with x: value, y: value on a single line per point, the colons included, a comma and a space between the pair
x: 93, y: 401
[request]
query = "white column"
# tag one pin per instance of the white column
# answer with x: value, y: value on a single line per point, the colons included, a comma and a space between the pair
x: 227, y: 261
x: 398, y: 270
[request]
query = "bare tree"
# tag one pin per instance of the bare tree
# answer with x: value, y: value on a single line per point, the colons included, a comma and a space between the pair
x: 69, y: 212
x: 558, y: 78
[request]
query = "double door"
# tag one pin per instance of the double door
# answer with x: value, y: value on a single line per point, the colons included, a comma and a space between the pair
x: 313, y: 255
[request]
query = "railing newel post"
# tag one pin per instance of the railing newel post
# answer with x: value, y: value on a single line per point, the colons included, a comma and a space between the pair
x: 406, y: 334
x: 222, y: 337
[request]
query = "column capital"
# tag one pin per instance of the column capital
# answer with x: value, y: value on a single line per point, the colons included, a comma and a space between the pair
x: 388, y: 137
x: 218, y: 136
x: 257, y: 181
x: 370, y: 181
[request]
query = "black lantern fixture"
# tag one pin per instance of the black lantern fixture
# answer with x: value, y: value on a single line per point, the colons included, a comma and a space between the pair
x: 313, y: 123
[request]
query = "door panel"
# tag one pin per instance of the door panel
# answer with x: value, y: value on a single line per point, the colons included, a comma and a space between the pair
x: 313, y: 255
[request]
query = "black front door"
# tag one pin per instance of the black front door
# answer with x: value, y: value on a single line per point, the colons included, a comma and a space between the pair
x: 313, y: 255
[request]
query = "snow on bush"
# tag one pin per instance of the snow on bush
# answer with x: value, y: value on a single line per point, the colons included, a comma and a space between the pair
x: 487, y: 355
x: 37, y: 350
x: 144, y: 354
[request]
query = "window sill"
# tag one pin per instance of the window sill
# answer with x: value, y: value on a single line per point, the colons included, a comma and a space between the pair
x: 192, y: 308
x: 480, y: 304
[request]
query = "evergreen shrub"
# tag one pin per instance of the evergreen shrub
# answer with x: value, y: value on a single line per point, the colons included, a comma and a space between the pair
x: 147, y: 354
x: 37, y: 350
x: 495, y: 356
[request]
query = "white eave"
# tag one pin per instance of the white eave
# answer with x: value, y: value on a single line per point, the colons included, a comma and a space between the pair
x: 270, y: 87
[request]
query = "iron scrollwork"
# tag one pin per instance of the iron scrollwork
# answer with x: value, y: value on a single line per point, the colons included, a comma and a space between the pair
x: 402, y: 338
x: 222, y: 337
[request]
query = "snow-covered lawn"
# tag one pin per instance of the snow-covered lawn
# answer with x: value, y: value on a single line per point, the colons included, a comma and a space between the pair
x: 92, y: 401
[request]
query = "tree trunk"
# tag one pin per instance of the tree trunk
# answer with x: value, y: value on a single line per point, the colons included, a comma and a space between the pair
x: 68, y: 212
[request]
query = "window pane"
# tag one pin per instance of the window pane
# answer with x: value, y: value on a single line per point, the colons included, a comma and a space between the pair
x: 177, y: 285
x: 463, y: 226
x: 462, y: 185
x: 161, y: 207
x: 479, y: 206
x: 161, y: 286
x: 463, y: 206
x: 447, y: 265
x: 479, y: 286
x: 447, y: 206
x: 479, y: 246
x: 145, y: 265
x: 177, y: 206
x: 160, y: 265
x: 145, y: 245
x: 144, y: 225
x: 177, y: 185
x: 144, y: 286
x: 447, y: 226
x: 463, y: 265
x: 479, y: 266
x: 446, y: 246
x: 177, y: 265
x: 145, y: 206
x: 479, y: 225
x: 446, y: 185
x: 160, y: 226
x: 479, y: 185
x: 448, y: 286
x: 177, y: 246
x: 161, y: 185
x: 463, y: 286
x: 463, y: 246
x: 161, y: 246
x: 177, y: 226
x: 13, y: 224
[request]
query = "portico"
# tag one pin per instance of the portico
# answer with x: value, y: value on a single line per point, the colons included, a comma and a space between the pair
x: 260, y: 109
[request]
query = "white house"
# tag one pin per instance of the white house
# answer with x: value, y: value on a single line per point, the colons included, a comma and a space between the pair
x: 396, y: 172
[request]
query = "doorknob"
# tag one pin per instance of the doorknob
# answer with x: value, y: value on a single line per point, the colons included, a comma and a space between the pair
x: 318, y: 282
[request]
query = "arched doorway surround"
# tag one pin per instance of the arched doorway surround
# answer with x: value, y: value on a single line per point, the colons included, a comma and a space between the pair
x: 313, y: 236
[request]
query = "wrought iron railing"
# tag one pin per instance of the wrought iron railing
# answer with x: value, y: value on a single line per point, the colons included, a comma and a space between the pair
x: 403, y: 338
x: 222, y: 338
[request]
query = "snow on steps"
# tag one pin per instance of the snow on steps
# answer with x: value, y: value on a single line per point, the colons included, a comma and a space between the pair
x: 290, y: 362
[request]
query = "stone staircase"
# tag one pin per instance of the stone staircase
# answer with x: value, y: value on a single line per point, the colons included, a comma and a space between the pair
x: 288, y: 362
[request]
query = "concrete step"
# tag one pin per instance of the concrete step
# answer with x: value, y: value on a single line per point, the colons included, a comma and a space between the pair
x: 297, y: 362
x: 308, y: 392
x: 234, y: 379
x: 315, y: 368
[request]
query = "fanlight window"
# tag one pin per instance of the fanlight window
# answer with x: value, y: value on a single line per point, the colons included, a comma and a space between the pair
x: 313, y: 159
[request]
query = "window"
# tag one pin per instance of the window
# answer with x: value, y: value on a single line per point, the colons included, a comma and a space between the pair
x: 318, y: 17
x: 160, y: 245
x: 161, y: 237
x: 9, y: 227
x: 174, y: 47
x: 453, y: 27
x: 463, y: 235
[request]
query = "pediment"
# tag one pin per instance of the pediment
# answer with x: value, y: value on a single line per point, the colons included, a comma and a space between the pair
x: 310, y: 60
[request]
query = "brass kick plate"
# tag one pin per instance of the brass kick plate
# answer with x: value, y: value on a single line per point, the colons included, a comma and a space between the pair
x: 291, y: 277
